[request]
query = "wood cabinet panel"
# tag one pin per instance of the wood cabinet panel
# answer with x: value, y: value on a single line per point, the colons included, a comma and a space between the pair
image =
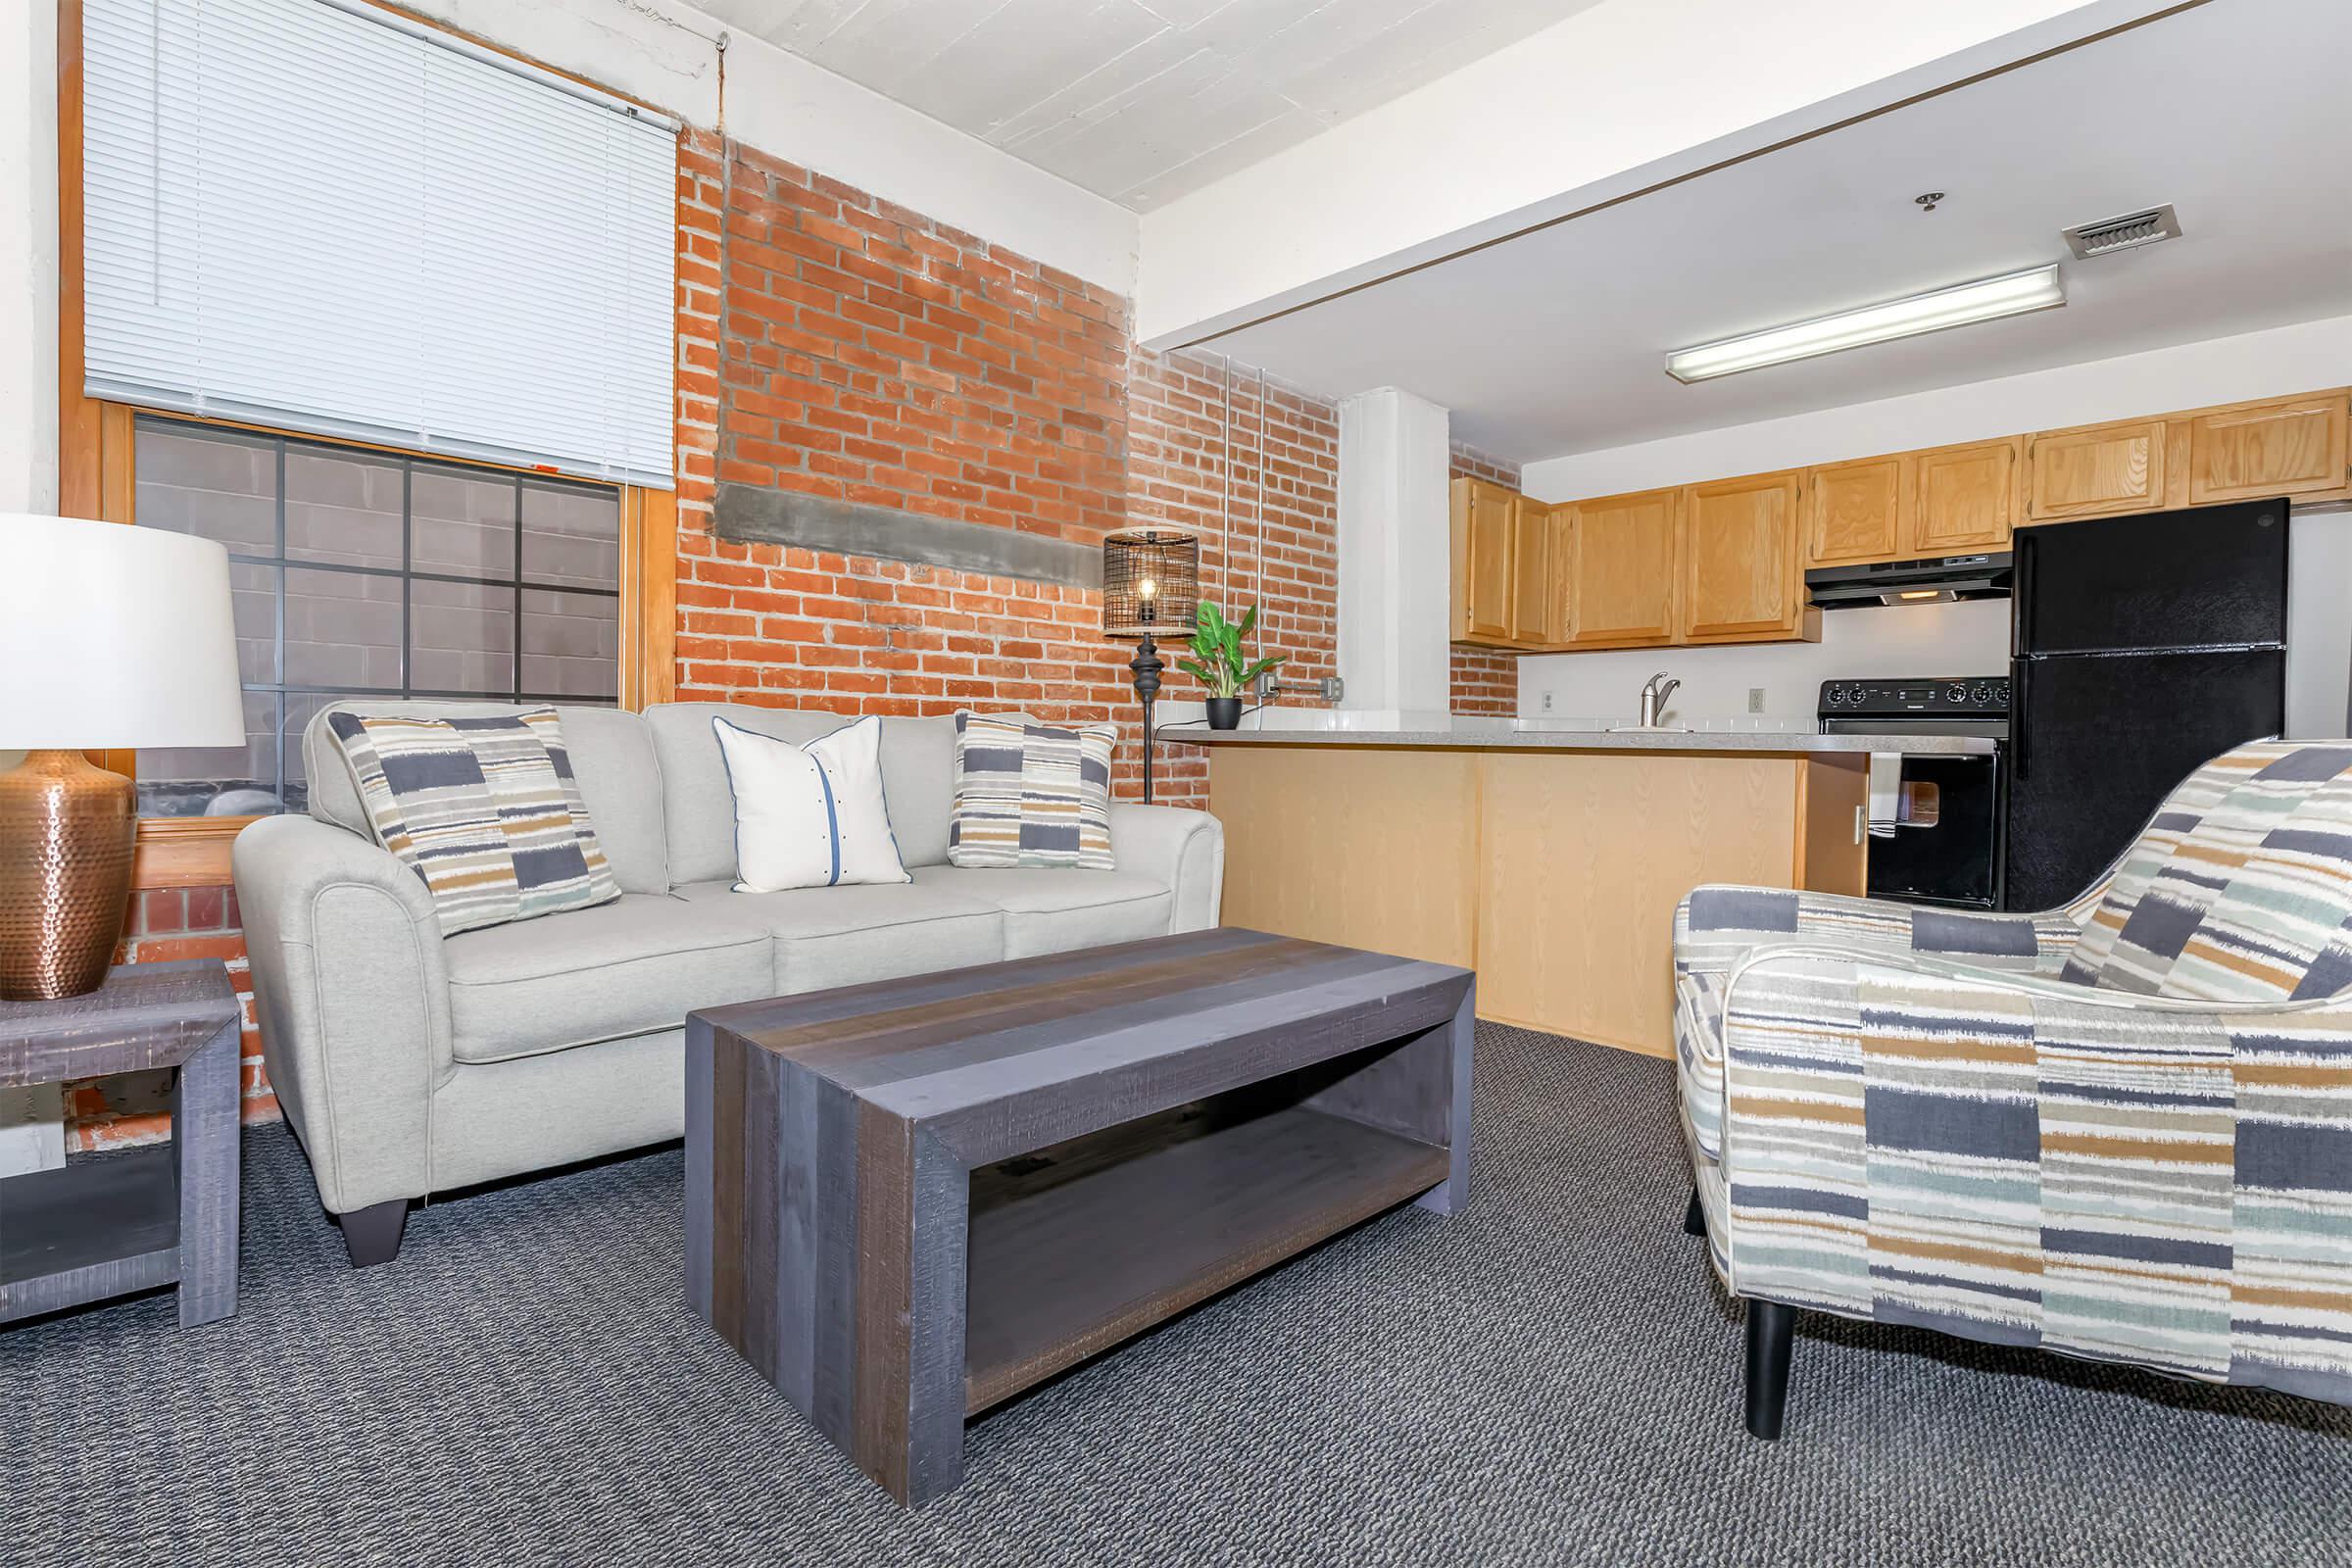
x: 1563, y: 587
x: 2085, y: 474
x: 1533, y: 574
x: 1621, y: 570
x: 1739, y: 557
x: 1966, y: 498
x: 2272, y: 449
x: 1854, y: 511
x: 1482, y: 562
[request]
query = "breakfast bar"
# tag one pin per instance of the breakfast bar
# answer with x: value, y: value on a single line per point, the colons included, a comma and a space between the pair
x: 1548, y: 860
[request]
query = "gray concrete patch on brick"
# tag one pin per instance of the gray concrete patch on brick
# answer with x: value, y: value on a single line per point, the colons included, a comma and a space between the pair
x: 753, y: 514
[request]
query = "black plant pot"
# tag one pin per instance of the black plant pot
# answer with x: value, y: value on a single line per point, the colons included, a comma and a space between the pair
x: 1224, y: 712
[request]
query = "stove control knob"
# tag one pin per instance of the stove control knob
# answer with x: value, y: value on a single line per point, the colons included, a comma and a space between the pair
x: 2000, y: 692
x: 1980, y: 695
x: 1955, y: 693
x: 1836, y: 695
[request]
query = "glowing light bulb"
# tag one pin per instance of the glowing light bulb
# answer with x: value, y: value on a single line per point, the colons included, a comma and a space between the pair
x: 1145, y: 588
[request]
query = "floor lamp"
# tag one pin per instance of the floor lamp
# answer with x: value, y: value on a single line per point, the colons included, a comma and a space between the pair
x: 1151, y: 585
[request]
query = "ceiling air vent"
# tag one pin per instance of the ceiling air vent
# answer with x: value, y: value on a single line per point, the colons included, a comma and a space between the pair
x: 2122, y: 233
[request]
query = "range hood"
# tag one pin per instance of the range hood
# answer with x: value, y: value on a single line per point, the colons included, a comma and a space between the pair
x: 1939, y: 582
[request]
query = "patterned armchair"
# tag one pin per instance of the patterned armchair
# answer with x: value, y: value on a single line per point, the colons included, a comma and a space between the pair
x: 2120, y: 1130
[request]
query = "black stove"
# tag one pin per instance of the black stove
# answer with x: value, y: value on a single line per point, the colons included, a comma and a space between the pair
x: 1943, y: 844
x: 1906, y: 700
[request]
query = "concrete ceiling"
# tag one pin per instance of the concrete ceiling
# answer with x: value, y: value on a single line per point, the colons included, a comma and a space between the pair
x: 1142, y: 100
x: 1553, y: 343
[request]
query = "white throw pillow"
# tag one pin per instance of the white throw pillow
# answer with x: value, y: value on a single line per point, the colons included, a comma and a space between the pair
x: 810, y: 816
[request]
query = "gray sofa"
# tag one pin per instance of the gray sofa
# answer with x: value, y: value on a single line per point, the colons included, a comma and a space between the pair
x: 410, y: 1063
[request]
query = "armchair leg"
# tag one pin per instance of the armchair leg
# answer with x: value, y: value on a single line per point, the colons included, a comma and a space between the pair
x: 1770, y: 1328
x: 372, y: 1234
x: 1694, y: 1217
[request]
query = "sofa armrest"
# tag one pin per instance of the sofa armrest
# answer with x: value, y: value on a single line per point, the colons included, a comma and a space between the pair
x: 1181, y: 848
x: 353, y: 1003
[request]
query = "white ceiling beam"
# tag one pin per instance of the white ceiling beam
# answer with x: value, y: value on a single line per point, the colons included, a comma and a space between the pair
x: 1607, y: 102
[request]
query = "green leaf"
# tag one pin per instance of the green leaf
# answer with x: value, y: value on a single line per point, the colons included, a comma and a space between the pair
x: 1249, y: 619
x: 1261, y: 668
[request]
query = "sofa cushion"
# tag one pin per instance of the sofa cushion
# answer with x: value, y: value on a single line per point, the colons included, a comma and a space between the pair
x: 1057, y: 910
x: 611, y: 757
x: 1031, y: 795
x: 698, y: 805
x: 810, y: 816
x: 918, y: 777
x: 827, y: 937
x: 484, y: 807
x: 630, y: 968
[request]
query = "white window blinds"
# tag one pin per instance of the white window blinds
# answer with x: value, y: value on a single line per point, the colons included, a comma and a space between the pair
x: 312, y: 215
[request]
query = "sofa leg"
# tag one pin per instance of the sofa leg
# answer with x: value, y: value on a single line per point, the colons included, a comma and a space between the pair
x: 372, y: 1234
x: 1770, y: 1327
x: 1694, y: 1217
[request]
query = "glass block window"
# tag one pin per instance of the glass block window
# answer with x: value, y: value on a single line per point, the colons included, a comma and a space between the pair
x: 360, y: 574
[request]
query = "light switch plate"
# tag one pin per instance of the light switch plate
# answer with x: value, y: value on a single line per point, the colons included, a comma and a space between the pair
x: 1755, y: 698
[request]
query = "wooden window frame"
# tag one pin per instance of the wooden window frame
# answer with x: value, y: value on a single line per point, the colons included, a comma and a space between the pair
x: 97, y: 477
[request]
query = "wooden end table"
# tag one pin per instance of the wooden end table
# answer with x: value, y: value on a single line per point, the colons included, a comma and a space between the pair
x: 909, y: 1201
x: 97, y: 1228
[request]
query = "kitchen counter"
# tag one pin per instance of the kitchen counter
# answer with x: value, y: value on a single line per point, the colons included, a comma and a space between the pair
x: 1550, y: 859
x: 1491, y: 735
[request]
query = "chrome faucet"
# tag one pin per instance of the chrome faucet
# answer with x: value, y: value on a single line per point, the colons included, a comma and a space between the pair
x: 1653, y: 697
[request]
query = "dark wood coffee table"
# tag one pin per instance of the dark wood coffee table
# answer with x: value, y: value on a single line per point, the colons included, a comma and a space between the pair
x: 908, y: 1201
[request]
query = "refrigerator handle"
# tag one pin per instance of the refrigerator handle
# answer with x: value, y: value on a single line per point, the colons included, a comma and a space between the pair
x: 2021, y: 591
x: 2021, y: 714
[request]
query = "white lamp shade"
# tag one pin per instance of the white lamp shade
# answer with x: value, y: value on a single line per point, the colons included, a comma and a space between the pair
x: 113, y: 637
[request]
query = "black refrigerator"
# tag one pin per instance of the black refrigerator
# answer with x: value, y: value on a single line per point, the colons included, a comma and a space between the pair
x: 2140, y: 646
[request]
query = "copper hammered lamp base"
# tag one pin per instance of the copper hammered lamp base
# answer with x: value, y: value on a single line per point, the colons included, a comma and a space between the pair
x: 66, y: 832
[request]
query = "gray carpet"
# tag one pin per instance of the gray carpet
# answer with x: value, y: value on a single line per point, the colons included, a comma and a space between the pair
x: 1551, y: 1376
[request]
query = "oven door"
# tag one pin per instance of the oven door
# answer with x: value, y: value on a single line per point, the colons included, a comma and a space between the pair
x: 1949, y: 853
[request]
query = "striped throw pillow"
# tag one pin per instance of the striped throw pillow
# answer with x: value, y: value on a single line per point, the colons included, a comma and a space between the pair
x: 485, y: 809
x: 1031, y: 795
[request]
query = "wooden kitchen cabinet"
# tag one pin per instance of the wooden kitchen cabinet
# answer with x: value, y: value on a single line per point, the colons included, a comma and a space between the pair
x: 1620, y: 570
x: 1854, y: 511
x: 1484, y: 586
x: 1534, y: 576
x: 1741, y: 578
x: 2255, y: 450
x: 1965, y: 498
x: 2096, y: 471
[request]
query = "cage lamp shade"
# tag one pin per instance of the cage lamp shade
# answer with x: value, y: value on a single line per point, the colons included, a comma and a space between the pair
x: 113, y: 637
x: 1151, y: 582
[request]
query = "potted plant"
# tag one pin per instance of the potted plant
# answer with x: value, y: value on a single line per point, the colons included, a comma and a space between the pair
x: 1217, y: 663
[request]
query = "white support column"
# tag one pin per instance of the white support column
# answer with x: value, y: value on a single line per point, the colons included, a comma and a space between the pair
x: 1395, y: 556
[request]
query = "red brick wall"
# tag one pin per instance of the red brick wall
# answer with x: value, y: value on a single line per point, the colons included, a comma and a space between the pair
x: 1485, y: 683
x: 864, y: 353
x: 166, y: 924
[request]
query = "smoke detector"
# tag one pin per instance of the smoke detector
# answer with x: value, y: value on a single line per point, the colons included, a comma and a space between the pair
x: 2130, y: 230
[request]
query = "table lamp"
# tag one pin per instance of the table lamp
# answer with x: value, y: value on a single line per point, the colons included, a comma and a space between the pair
x: 111, y: 637
x: 1151, y: 583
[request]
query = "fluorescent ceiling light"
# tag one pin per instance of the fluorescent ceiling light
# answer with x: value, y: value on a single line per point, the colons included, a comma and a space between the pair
x: 2012, y: 294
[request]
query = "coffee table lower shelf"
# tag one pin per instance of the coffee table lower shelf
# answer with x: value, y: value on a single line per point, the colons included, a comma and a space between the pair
x: 1065, y: 1264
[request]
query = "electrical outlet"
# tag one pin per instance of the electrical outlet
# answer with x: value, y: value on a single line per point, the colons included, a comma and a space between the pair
x: 1755, y: 698
x: 1548, y: 701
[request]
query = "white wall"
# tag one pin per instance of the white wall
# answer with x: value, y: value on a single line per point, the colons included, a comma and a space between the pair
x: 1609, y: 101
x: 666, y: 53
x: 1966, y: 639
x: 28, y: 258
x: 1959, y: 638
